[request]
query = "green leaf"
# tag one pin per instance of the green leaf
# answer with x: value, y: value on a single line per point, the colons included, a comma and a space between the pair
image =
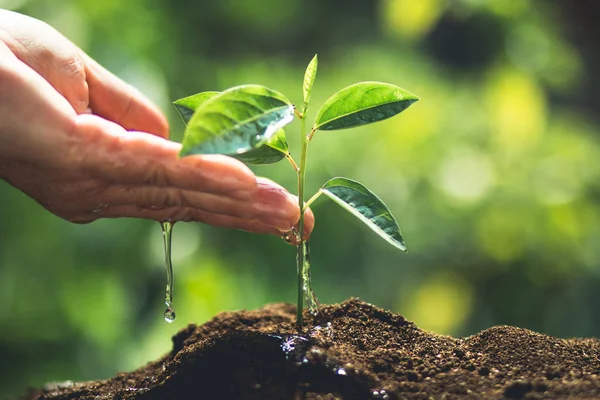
x: 363, y: 103
x: 365, y: 205
x: 279, y: 142
x: 274, y: 150
x: 309, y: 78
x: 236, y: 121
x: 188, y: 105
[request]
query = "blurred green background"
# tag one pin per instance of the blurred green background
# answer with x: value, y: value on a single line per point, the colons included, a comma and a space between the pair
x: 494, y: 176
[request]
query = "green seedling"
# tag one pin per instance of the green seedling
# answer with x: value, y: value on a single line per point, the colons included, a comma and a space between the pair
x: 246, y: 122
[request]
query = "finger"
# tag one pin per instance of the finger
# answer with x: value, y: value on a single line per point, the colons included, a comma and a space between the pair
x: 38, y: 117
x: 157, y: 198
x: 184, y: 214
x: 121, y: 103
x: 140, y: 159
x: 287, y: 206
x: 48, y: 53
x: 109, y: 152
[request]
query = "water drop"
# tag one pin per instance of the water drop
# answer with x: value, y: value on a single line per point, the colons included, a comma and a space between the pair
x: 380, y: 394
x: 256, y: 140
x: 167, y: 229
x: 291, y: 237
x: 99, y: 208
x: 170, y: 315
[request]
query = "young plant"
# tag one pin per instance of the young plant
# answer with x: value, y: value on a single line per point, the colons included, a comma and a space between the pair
x: 245, y: 122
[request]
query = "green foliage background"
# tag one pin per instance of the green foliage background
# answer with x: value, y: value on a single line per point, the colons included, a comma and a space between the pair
x: 493, y: 177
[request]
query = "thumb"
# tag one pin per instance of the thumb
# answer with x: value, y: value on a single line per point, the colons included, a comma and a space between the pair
x: 117, y: 101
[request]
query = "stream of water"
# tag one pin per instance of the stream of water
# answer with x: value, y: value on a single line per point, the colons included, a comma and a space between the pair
x: 312, y: 303
x: 167, y: 229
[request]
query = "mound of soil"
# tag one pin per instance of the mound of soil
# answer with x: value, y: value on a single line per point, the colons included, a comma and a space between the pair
x: 351, y: 351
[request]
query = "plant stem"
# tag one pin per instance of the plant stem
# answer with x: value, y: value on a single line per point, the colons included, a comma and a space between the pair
x: 291, y: 160
x: 300, y: 249
x: 311, y: 200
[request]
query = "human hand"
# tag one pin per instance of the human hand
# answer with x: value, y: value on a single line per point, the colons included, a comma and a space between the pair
x: 85, y: 145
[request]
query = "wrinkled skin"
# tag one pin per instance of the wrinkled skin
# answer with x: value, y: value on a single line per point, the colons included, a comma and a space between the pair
x: 85, y: 145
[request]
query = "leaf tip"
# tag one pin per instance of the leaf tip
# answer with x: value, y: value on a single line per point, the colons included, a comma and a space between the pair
x: 399, y: 244
x: 183, y: 153
x: 413, y: 98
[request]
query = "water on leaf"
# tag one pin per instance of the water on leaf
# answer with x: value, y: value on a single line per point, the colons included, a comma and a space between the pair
x: 167, y: 229
x: 312, y: 303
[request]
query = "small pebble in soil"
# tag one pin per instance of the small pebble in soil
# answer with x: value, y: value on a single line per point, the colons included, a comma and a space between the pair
x: 412, y: 376
x: 470, y: 367
x: 517, y: 389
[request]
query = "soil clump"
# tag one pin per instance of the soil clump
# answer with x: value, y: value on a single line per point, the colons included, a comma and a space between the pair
x: 353, y: 350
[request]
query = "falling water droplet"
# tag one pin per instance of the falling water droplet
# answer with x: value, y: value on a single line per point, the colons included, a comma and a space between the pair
x: 167, y: 229
x: 170, y: 315
x: 312, y: 303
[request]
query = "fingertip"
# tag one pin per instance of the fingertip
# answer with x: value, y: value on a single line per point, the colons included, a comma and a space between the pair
x: 285, y: 206
x: 309, y: 223
x: 292, y: 237
x: 274, y: 197
x: 162, y: 125
x: 145, y: 116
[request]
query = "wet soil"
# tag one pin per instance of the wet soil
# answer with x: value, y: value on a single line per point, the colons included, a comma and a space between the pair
x: 351, y: 351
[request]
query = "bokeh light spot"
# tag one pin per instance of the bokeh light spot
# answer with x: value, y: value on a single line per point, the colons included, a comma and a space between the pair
x: 555, y: 183
x: 466, y: 175
x: 411, y: 19
x: 501, y: 232
x: 517, y: 110
x: 441, y: 304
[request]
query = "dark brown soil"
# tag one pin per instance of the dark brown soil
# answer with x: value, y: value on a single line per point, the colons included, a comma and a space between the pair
x: 351, y: 351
